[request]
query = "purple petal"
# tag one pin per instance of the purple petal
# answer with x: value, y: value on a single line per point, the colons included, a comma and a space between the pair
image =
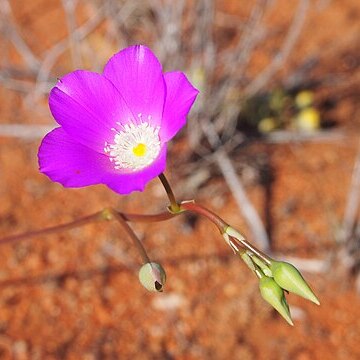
x: 137, y: 74
x: 180, y: 95
x: 74, y: 165
x: 66, y: 161
x: 88, y: 105
x: 136, y: 181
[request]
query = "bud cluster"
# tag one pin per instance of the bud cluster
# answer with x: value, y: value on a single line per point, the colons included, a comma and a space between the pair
x: 275, y: 277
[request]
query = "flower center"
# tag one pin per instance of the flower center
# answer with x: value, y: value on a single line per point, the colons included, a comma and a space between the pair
x: 139, y: 149
x: 134, y: 147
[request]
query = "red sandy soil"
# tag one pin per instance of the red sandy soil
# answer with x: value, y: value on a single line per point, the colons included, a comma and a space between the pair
x: 76, y: 295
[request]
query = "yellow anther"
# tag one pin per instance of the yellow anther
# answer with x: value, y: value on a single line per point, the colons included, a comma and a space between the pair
x: 139, y: 149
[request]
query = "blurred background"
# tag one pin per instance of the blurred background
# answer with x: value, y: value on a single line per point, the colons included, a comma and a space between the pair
x: 272, y: 145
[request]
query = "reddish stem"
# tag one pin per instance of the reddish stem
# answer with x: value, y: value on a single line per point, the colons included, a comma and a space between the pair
x: 198, y: 209
x: 98, y: 216
x: 53, y: 229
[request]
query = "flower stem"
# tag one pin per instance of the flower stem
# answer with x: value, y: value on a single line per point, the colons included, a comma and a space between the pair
x: 54, y: 229
x: 105, y: 214
x: 174, y: 206
x: 139, y: 246
x: 146, y: 218
x: 123, y: 218
x: 200, y: 210
x: 222, y: 226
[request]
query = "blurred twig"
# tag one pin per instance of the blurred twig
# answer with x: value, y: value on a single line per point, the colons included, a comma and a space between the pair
x: 168, y: 45
x: 293, y: 34
x: 245, y: 206
x: 249, y: 38
x: 24, y: 131
x: 74, y: 41
x: 353, y: 202
x: 9, y: 29
x: 308, y: 265
x: 284, y: 136
x: 56, y: 50
x: 15, y: 84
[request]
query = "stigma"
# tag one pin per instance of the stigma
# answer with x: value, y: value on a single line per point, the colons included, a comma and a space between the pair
x: 134, y: 147
x: 139, y: 149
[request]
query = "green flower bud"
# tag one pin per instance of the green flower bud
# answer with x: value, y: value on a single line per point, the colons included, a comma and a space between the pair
x: 274, y: 295
x: 290, y: 279
x: 264, y: 268
x: 152, y: 277
x: 267, y: 125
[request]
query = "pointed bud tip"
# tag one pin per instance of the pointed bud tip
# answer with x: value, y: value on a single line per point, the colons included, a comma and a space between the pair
x: 290, y: 279
x: 315, y: 300
x: 272, y: 293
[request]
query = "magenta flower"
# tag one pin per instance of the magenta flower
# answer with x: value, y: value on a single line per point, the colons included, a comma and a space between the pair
x: 115, y: 125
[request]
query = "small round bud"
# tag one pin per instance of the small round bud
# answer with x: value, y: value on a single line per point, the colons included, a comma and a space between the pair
x: 152, y: 277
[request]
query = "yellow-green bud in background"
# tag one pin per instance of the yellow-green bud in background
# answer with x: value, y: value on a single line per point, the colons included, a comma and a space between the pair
x: 267, y: 124
x: 152, y: 277
x: 290, y: 279
x: 304, y: 99
x: 308, y: 119
x: 274, y: 295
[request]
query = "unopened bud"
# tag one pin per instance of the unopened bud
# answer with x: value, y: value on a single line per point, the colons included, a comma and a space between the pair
x: 152, y: 277
x: 274, y: 295
x: 290, y: 279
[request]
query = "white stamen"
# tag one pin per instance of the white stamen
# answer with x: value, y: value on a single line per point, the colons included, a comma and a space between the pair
x: 123, y: 154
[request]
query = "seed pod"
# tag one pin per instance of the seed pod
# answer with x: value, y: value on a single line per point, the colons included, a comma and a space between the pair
x: 152, y: 277
x: 290, y: 279
x: 274, y: 295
